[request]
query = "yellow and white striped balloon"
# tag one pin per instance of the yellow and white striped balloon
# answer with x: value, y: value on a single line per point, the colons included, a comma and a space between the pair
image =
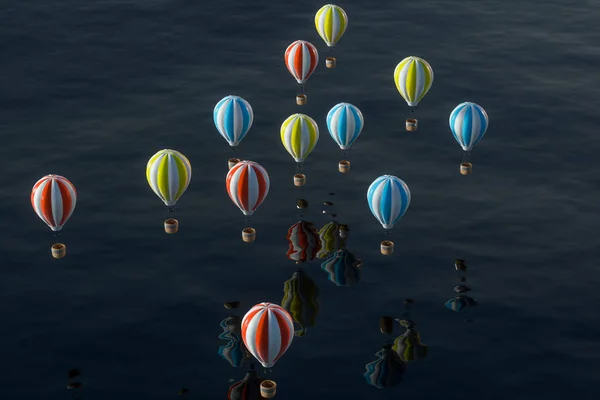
x: 299, y: 135
x: 413, y: 77
x: 169, y: 173
x: 331, y: 22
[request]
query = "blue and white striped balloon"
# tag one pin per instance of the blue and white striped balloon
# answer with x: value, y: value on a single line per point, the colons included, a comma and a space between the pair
x: 388, y: 198
x: 345, y: 122
x: 468, y: 123
x: 233, y: 118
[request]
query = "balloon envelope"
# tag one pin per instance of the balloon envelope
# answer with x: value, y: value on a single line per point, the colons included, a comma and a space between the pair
x: 345, y: 123
x: 388, y: 198
x: 301, y: 59
x: 169, y: 173
x: 413, y: 77
x: 53, y: 199
x: 299, y: 135
x: 468, y: 122
x: 248, y: 185
x: 331, y: 22
x: 233, y: 117
x: 267, y: 331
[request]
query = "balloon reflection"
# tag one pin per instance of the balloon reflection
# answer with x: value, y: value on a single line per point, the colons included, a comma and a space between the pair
x: 331, y: 238
x: 234, y: 351
x: 301, y: 300
x: 74, y: 383
x: 248, y: 388
x: 461, y: 301
x: 408, y: 345
x: 387, y: 370
x: 304, y: 242
x: 343, y: 268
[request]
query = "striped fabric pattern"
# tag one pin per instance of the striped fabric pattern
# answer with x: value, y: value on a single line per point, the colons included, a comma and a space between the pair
x: 331, y: 22
x: 267, y: 331
x: 169, y: 173
x: 345, y: 123
x: 388, y: 198
x: 299, y: 135
x: 301, y: 59
x: 248, y: 185
x: 468, y: 122
x: 53, y: 199
x: 233, y: 117
x: 413, y: 77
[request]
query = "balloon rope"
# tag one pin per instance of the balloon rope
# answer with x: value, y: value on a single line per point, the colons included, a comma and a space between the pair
x: 466, y: 156
x: 55, y: 233
x: 248, y: 219
x: 301, y: 88
x: 171, y: 209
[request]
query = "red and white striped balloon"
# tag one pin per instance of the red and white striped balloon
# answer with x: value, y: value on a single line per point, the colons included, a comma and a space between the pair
x: 53, y: 198
x: 301, y: 59
x: 248, y: 185
x: 267, y: 332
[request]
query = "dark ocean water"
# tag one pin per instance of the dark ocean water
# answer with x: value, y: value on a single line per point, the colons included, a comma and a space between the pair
x: 91, y: 89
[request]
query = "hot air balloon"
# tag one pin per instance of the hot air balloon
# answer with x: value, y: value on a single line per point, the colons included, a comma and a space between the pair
x: 301, y: 59
x: 53, y: 199
x: 343, y: 268
x: 344, y: 122
x: 388, y: 198
x: 331, y: 22
x: 267, y: 331
x: 303, y: 241
x: 387, y: 370
x: 233, y: 117
x: 169, y: 173
x: 299, y: 135
x: 413, y: 77
x: 468, y: 122
x: 301, y: 300
x: 248, y: 185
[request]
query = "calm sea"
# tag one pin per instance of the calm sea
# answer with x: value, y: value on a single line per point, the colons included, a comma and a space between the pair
x: 91, y: 89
